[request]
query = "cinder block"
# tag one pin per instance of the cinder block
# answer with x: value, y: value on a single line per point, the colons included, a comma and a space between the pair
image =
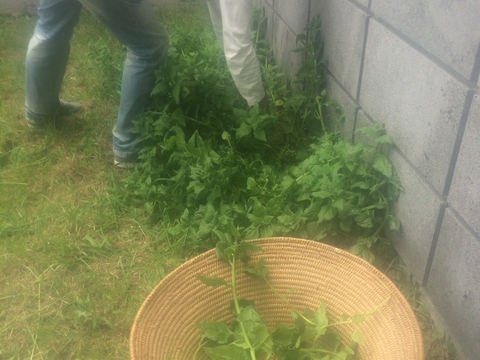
x: 464, y: 194
x: 419, y: 102
x: 347, y: 104
x: 284, y: 41
x: 343, y: 28
x: 294, y: 14
x: 449, y: 30
x: 454, y: 283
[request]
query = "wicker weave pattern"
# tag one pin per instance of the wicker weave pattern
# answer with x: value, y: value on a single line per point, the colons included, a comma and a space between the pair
x: 164, y: 326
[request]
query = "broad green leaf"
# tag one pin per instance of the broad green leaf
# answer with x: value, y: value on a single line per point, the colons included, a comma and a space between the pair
x: 383, y: 165
x: 226, y: 136
x: 249, y: 314
x: 322, y: 194
x: 358, y: 337
x: 217, y: 159
x: 338, y: 204
x: 313, y: 354
x: 212, y: 281
x: 256, y: 330
x: 384, y: 139
x: 258, y: 271
x: 364, y: 219
x: 179, y: 116
x: 244, y: 248
x: 266, y: 230
x: 285, y: 335
x: 221, y: 235
x: 327, y: 212
x: 224, y: 250
x: 394, y: 223
x: 361, y: 185
x: 260, y: 337
x: 259, y: 133
x: 251, y: 184
x: 243, y: 130
x: 346, y: 225
x: 363, y: 251
x: 176, y: 92
x: 216, y: 331
x: 243, y: 303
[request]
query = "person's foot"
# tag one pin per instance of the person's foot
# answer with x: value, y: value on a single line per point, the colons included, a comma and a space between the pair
x: 129, y: 162
x: 68, y: 108
x: 65, y: 108
x: 124, y: 164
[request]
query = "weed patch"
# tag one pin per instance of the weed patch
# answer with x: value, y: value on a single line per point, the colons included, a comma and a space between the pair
x: 210, y: 170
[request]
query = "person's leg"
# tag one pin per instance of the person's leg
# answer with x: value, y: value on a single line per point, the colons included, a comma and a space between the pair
x: 46, y: 59
x: 239, y: 50
x: 134, y: 23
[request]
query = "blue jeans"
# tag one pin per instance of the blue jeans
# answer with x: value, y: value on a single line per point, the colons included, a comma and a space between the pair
x: 135, y: 25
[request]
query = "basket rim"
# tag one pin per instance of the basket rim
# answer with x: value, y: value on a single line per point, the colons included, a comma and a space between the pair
x: 271, y: 240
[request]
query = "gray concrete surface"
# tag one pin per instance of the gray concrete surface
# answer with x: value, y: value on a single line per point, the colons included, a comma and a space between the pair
x: 295, y: 11
x: 454, y: 282
x: 420, y: 103
x: 465, y: 191
x: 447, y: 29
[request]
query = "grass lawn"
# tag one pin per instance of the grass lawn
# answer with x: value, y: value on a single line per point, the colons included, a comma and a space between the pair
x: 75, y: 263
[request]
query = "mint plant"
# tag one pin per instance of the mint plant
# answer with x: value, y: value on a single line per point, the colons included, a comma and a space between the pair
x: 214, y: 168
x: 311, y: 336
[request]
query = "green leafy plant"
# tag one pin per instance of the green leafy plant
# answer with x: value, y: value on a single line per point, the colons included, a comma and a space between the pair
x: 212, y: 166
x: 311, y: 336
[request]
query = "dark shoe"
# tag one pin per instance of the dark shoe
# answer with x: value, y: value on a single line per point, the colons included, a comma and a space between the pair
x: 65, y: 108
x: 68, y: 108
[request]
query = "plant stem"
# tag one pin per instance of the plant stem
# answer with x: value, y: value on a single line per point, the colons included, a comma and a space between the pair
x: 233, y: 264
x: 200, y: 346
x: 284, y: 299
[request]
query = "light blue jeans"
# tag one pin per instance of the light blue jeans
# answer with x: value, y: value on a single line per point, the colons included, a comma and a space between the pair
x: 135, y: 25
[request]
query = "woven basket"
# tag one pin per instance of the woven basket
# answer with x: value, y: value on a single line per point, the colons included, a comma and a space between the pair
x: 164, y: 326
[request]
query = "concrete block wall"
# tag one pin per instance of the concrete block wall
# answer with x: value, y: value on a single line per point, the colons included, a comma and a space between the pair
x: 413, y: 65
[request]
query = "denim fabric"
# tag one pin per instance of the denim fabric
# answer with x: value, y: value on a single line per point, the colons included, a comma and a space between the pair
x: 135, y: 25
x: 231, y: 21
